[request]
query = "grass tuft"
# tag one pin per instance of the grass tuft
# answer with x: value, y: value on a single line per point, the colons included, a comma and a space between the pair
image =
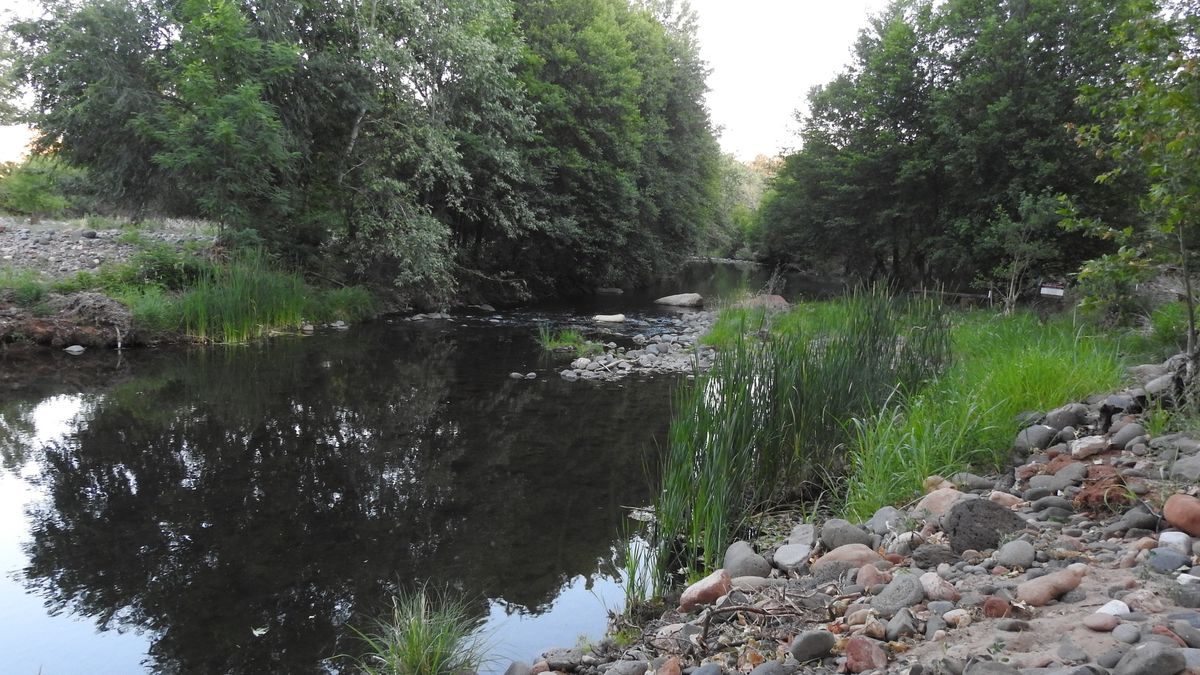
x: 427, y: 633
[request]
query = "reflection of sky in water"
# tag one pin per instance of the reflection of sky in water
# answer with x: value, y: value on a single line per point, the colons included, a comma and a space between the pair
x: 31, y: 640
x: 577, y: 611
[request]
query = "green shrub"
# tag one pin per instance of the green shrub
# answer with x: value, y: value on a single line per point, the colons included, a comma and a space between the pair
x: 1168, y: 327
x: 26, y: 288
x: 426, y: 633
x: 34, y: 188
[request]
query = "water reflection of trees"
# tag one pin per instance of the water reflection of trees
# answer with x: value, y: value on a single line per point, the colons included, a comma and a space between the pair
x: 225, y: 491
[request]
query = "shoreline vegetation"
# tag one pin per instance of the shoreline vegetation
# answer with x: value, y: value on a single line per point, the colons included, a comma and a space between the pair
x: 178, y: 294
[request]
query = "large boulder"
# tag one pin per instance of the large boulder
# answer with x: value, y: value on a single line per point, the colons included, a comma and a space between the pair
x: 682, y: 300
x: 978, y: 524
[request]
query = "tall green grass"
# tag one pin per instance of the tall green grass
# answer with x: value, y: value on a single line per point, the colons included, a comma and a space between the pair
x: 767, y: 422
x: 967, y: 417
x: 426, y: 633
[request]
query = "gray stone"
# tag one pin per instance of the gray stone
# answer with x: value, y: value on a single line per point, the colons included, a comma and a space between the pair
x: 1186, y: 469
x: 1074, y: 472
x: 1164, y: 560
x: 1016, y: 553
x: 978, y: 524
x: 1112, y: 657
x: 812, y: 644
x: 1151, y: 658
x: 709, y: 669
x: 1036, y: 437
x: 804, y: 533
x: 940, y: 607
x: 792, y: 557
x: 970, y: 481
x: 903, y: 591
x: 1013, y: 625
x: 837, y: 532
x: 902, y: 625
x: 1128, y: 633
x: 742, y: 561
x: 885, y: 519
x: 628, y: 668
x: 1071, y: 415
x: 1051, y: 501
x: 1186, y: 632
x: 1163, y: 385
x: 564, y: 659
x: 1191, y: 657
x: 929, y: 556
x: 1126, y: 434
x: 1068, y: 652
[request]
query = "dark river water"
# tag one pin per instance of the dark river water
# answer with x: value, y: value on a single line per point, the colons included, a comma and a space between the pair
x: 236, y: 509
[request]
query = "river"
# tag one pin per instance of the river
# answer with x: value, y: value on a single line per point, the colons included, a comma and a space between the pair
x: 236, y: 509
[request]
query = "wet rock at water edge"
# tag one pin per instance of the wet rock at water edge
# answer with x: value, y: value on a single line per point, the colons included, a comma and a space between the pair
x: 681, y: 300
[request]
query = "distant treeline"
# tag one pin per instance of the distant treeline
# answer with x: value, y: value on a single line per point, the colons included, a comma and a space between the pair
x: 964, y: 131
x: 514, y: 147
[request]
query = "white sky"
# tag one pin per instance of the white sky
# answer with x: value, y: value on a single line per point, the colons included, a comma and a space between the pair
x: 765, y: 55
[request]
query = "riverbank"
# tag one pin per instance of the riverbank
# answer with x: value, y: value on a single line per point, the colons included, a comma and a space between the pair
x: 1080, y: 554
x: 65, y: 285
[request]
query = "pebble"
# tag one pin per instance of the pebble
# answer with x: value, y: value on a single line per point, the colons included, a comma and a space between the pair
x: 1127, y: 633
x: 1102, y: 623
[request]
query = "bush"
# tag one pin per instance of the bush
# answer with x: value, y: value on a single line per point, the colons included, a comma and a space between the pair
x: 1168, y: 327
x: 35, y: 188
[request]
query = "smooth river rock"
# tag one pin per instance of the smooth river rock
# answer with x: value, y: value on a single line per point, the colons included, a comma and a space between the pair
x: 706, y: 591
x: 742, y: 561
x: 1040, y: 591
x: 682, y: 300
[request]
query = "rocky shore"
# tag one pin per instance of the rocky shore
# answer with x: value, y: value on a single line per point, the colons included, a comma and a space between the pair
x: 669, y: 352
x: 1078, y: 560
x: 56, y: 249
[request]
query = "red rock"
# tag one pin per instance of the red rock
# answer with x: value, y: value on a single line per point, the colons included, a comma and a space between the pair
x: 706, y: 591
x: 1183, y: 511
x: 1028, y: 471
x: 1059, y: 463
x: 1169, y: 634
x: 1004, y: 498
x: 999, y: 571
x: 863, y: 654
x: 894, y: 558
x: 1040, y: 591
x: 856, y: 554
x: 1101, y: 623
x: 937, y: 588
x: 937, y: 502
x: 997, y: 608
x: 671, y: 667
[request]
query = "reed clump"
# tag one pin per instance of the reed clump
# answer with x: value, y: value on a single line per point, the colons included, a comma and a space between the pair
x: 768, y: 422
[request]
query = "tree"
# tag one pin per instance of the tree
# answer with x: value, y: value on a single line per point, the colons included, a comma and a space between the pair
x: 1151, y: 125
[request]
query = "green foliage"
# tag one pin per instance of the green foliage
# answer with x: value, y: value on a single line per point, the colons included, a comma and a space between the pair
x: 919, y: 162
x: 768, y: 421
x: 1107, y: 286
x: 36, y: 187
x: 967, y: 416
x: 27, y: 289
x: 1169, y: 326
x: 426, y: 633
